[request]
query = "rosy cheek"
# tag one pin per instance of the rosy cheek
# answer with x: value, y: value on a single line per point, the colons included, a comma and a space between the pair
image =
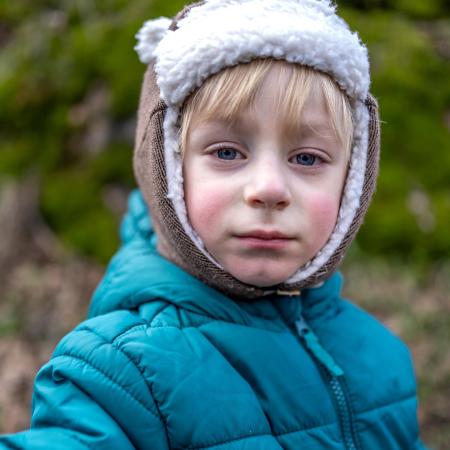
x: 323, y: 210
x: 205, y: 207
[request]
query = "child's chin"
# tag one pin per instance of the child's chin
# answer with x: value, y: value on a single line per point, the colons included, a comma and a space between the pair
x: 264, y: 279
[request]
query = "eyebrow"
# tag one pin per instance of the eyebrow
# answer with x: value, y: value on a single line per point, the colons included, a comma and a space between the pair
x: 291, y: 132
x: 310, y: 129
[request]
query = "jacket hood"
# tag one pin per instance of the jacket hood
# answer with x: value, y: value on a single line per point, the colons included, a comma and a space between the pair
x: 205, y: 38
x: 138, y: 275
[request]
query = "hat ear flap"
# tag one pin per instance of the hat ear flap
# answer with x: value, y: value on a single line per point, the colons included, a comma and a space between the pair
x: 373, y: 150
x: 149, y: 36
x: 370, y: 176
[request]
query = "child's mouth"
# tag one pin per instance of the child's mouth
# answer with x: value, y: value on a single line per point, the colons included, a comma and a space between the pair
x: 273, y: 240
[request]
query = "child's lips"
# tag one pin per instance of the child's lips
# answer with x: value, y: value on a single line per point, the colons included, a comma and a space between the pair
x: 264, y: 234
x: 263, y: 239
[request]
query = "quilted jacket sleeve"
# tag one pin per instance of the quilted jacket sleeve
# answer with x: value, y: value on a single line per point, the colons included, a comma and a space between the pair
x: 91, y: 395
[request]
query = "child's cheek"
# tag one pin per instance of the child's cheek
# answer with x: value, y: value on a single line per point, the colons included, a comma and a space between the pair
x: 206, y: 208
x: 322, y: 210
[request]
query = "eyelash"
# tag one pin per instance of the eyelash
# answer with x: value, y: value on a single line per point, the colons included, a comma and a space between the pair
x: 217, y: 151
x: 317, y: 160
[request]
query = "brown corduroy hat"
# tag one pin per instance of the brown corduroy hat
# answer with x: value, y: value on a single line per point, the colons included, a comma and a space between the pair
x: 207, y: 37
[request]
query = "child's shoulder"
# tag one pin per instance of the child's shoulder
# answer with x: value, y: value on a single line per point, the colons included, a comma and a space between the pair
x: 353, y: 335
x: 359, y: 328
x: 94, y: 391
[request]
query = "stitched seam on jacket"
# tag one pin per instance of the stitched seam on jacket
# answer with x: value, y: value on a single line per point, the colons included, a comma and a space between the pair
x: 84, y: 328
x: 115, y: 345
x: 9, y: 445
x: 182, y: 327
x: 156, y: 286
x: 267, y: 418
x: 387, y: 404
x: 76, y: 438
x: 307, y: 429
x: 281, y: 331
x: 213, y: 444
x: 129, y: 394
x: 160, y: 311
x: 207, y: 320
x: 249, y: 436
x: 241, y: 375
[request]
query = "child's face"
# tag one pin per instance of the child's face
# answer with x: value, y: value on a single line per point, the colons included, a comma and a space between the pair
x: 264, y: 201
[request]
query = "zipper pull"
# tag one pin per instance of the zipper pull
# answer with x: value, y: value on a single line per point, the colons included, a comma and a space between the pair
x: 314, y: 346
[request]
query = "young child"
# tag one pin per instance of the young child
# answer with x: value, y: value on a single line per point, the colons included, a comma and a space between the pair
x: 219, y: 323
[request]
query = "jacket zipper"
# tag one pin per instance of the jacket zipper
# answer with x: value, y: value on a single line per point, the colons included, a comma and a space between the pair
x: 334, y: 376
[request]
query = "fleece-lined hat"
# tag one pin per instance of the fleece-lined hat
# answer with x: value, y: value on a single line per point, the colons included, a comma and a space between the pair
x: 207, y: 37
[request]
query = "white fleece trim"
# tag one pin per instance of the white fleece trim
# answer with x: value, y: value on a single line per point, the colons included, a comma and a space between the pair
x: 174, y: 173
x: 149, y: 36
x: 223, y: 33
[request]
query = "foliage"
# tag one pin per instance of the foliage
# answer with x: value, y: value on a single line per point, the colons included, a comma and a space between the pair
x: 69, y: 86
x: 430, y: 9
x: 410, y: 80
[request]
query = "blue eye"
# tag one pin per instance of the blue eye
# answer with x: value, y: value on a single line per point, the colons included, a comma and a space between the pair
x: 227, y: 153
x: 305, y: 159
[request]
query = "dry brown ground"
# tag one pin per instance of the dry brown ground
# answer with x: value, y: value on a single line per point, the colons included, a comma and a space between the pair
x: 44, y: 292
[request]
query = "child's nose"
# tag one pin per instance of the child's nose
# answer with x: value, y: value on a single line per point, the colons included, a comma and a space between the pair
x: 267, y: 187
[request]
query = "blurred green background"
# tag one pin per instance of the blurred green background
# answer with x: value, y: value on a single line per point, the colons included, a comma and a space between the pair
x: 69, y: 86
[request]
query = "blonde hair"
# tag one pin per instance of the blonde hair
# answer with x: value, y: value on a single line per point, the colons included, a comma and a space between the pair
x: 228, y: 93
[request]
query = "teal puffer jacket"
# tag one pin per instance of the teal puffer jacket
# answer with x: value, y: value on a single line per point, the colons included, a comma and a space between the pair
x: 165, y: 362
